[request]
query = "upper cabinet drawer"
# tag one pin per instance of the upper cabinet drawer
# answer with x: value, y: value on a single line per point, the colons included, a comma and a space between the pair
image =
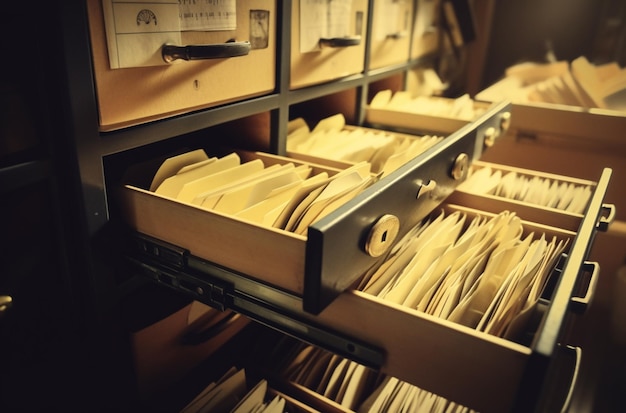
x: 425, y: 28
x: 602, y: 126
x: 391, y: 32
x: 327, y: 40
x: 135, y: 84
x: 403, y: 111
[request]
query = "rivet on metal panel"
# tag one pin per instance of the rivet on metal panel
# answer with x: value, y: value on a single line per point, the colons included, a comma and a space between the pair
x: 382, y: 235
x: 490, y: 136
x: 461, y: 164
x: 505, y: 121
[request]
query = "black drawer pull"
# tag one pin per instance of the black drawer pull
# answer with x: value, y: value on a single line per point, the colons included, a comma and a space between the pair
x: 604, y: 222
x: 576, y: 352
x: 580, y: 304
x: 397, y: 35
x: 171, y: 53
x: 340, y: 41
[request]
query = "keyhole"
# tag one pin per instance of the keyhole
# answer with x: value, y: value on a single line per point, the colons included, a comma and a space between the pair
x: 382, y: 235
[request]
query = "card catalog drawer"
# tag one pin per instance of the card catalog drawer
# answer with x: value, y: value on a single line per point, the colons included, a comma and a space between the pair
x: 551, y: 119
x: 563, y: 139
x: 331, y: 383
x: 391, y: 33
x: 557, y: 200
x: 402, y: 111
x: 471, y: 367
x: 328, y: 40
x: 149, y: 89
x: 324, y: 258
x: 332, y: 142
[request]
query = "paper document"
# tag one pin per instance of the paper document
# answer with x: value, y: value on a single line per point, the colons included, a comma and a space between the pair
x: 323, y: 19
x: 136, y: 30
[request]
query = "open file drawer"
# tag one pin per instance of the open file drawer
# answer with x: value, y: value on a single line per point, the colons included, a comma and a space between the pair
x: 401, y: 111
x: 334, y: 253
x: 473, y: 368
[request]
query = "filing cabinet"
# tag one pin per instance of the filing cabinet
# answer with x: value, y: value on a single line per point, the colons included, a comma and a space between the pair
x: 296, y: 285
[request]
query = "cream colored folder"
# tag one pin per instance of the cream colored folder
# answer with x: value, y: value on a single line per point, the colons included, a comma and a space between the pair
x: 267, y: 211
x: 194, y: 189
x: 209, y: 199
x: 172, y: 165
x: 172, y: 186
x: 255, y: 190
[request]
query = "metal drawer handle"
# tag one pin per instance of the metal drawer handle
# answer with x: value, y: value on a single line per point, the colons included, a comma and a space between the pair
x: 171, y: 53
x: 578, y: 354
x: 340, y: 41
x: 397, y: 35
x: 604, y: 222
x: 580, y: 304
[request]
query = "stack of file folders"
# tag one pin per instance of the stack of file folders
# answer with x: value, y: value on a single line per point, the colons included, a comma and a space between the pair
x: 333, y: 142
x: 328, y: 381
x: 232, y: 393
x: 577, y: 83
x: 285, y: 196
x: 402, y: 110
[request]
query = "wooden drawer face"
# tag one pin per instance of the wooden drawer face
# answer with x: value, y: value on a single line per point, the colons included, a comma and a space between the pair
x: 404, y: 112
x: 425, y: 33
x: 391, y: 28
x: 311, y: 64
x: 129, y: 96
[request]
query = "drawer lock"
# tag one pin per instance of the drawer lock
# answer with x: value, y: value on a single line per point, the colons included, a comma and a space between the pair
x: 382, y: 235
x: 460, y: 167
